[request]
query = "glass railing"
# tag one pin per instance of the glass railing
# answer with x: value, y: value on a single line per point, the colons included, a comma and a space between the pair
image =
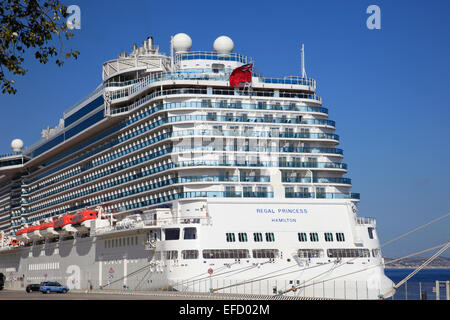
x: 200, y: 74
x: 265, y: 134
x: 322, y: 165
x: 5, y: 155
x: 255, y: 178
x: 185, y: 179
x: 289, y: 80
x: 243, y: 119
x: 239, y: 106
x: 183, y: 91
x: 206, y: 55
x: 311, y: 150
x: 288, y: 164
x: 322, y: 195
x: 189, y: 164
x: 316, y: 180
x: 258, y: 194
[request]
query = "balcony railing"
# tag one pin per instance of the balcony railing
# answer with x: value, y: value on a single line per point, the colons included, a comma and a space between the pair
x: 206, y: 55
x: 316, y: 180
x: 322, y: 195
x: 365, y: 220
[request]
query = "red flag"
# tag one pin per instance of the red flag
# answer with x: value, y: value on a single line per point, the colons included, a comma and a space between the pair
x: 241, y: 74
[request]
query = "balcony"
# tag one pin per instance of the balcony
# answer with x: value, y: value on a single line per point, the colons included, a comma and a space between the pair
x: 322, y: 195
x: 316, y: 180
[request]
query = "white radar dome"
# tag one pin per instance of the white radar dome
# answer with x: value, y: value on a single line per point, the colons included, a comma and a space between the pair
x: 223, y: 44
x: 17, y: 145
x: 182, y: 42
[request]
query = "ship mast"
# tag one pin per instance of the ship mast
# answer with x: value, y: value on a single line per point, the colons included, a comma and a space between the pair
x: 303, y: 61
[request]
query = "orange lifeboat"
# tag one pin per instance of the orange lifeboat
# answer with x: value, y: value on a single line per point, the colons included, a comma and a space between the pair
x: 64, y: 225
x: 82, y: 220
x: 47, y: 229
x: 22, y: 234
x: 84, y: 215
x: 21, y: 231
x: 62, y: 222
x: 46, y: 225
x: 33, y: 232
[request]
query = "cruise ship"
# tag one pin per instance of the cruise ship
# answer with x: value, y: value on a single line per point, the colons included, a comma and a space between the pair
x: 189, y: 172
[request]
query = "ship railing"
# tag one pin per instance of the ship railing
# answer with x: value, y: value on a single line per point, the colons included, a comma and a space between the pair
x: 365, y: 220
x: 183, y: 91
x: 203, y: 220
x: 146, y: 223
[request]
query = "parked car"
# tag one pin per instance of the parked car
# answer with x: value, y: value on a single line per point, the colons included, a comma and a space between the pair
x: 2, y: 280
x: 53, y: 286
x: 33, y: 287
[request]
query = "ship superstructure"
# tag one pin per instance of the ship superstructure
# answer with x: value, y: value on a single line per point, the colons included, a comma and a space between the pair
x: 185, y: 172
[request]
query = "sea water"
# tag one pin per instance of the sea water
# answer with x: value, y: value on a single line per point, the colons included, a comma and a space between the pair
x: 424, y: 280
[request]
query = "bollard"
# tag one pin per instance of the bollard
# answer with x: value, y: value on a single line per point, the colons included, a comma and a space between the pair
x: 406, y: 290
x: 447, y: 287
x: 437, y: 290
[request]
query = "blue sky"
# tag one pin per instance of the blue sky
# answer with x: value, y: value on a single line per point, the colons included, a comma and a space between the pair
x: 387, y: 90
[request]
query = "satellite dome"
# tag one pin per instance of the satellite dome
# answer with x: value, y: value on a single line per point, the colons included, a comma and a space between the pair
x: 182, y: 42
x: 17, y: 145
x: 223, y: 44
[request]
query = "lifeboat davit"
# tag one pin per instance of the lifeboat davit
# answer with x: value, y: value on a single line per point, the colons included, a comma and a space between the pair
x: 82, y: 220
x: 64, y: 225
x: 47, y: 229
x: 22, y: 235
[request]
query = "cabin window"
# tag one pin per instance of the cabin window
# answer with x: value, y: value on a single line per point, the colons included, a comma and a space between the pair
x: 225, y: 254
x: 328, y: 236
x: 376, y: 253
x: 189, y: 254
x: 348, y: 253
x: 257, y: 237
x: 242, y: 237
x: 371, y: 232
x: 265, y: 253
x: 270, y: 237
x: 172, y: 233
x: 302, y: 237
x: 170, y: 255
x: 340, y: 237
x: 314, y: 237
x: 310, y: 253
x: 230, y: 237
x: 190, y: 233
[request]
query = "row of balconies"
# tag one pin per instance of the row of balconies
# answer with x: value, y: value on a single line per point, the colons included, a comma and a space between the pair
x: 140, y: 144
x: 71, y: 172
x: 130, y: 176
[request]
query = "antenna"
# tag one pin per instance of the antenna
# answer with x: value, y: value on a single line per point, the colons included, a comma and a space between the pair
x: 303, y: 61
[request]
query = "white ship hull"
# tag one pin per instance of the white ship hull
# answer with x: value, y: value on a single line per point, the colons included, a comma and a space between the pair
x: 115, y: 258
